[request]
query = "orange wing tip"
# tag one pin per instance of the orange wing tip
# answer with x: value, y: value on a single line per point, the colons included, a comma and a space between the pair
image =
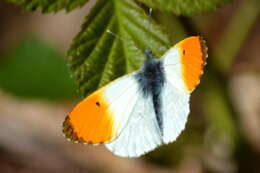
x: 71, y: 135
x: 69, y: 132
x: 91, y: 121
x: 193, y: 51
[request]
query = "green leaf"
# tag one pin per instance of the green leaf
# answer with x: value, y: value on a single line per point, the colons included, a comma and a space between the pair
x: 97, y: 57
x: 33, y: 69
x: 47, y: 6
x: 184, y: 7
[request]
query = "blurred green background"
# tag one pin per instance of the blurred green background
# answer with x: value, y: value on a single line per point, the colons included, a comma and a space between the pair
x: 34, y: 69
x: 37, y: 91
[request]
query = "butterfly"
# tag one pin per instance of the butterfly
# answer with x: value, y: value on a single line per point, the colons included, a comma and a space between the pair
x: 142, y: 110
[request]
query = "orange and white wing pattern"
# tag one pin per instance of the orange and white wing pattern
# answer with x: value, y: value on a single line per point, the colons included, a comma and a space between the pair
x: 183, y: 63
x: 101, y: 116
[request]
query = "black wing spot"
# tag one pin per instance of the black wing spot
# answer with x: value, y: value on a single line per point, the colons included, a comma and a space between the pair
x: 97, y: 103
x: 183, y: 52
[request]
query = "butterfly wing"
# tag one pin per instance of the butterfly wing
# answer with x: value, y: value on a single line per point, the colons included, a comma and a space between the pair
x: 101, y: 116
x: 183, y: 66
x: 141, y: 134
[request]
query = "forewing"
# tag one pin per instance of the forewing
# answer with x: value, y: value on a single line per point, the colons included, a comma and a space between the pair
x: 183, y: 67
x: 101, y: 116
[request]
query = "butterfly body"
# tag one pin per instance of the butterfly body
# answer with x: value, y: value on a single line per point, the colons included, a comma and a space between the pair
x: 150, y: 81
x: 140, y: 111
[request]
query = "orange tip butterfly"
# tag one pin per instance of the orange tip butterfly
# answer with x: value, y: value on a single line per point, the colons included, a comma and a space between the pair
x: 142, y: 110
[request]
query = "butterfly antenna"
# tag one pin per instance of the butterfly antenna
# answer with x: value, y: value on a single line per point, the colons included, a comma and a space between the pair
x: 148, y: 51
x: 116, y: 36
x: 150, y: 12
x: 121, y: 38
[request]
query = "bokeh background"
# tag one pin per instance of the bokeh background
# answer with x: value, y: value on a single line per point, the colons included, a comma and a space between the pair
x: 37, y: 91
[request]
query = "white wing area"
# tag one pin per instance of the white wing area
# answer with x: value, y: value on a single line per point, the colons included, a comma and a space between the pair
x: 141, y: 134
x: 173, y: 68
x: 121, y: 95
x: 175, y: 97
x: 175, y: 110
